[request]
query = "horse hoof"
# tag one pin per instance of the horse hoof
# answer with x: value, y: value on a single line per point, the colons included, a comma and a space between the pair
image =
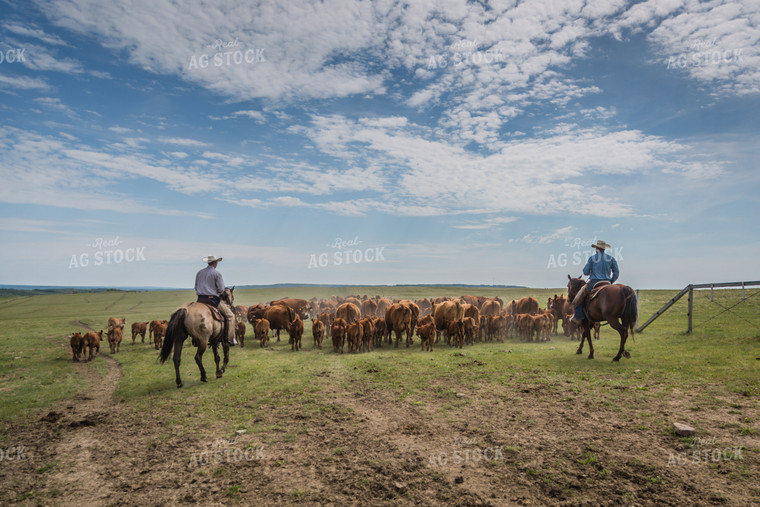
x: 616, y: 359
x: 579, y: 352
x: 218, y: 375
x: 626, y: 354
x: 203, y: 379
x: 590, y: 356
x: 179, y: 385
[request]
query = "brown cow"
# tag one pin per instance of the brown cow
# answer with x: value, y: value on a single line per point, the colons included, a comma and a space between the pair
x: 426, y: 307
x: 427, y: 319
x: 77, y: 345
x: 527, y: 305
x: 159, y: 332
x: 490, y: 307
x: 415, y: 317
x: 470, y: 330
x: 382, y: 306
x: 557, y: 306
x: 139, y: 328
x: 348, y: 312
x: 116, y: 322
x: 261, y: 331
x: 368, y: 308
x: 368, y: 334
x: 92, y: 341
x: 296, y: 333
x: 379, y: 325
x: 241, y: 312
x: 471, y: 310
x: 300, y: 306
x: 115, y: 336
x: 398, y: 319
x: 427, y: 335
x: 338, y: 333
x: 240, y: 332
x: 476, y: 301
x: 445, y: 313
x: 279, y: 316
x: 318, y: 332
x: 152, y: 328
x: 455, y: 333
x: 354, y: 335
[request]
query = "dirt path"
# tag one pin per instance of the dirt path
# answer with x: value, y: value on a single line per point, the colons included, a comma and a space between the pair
x: 79, y: 477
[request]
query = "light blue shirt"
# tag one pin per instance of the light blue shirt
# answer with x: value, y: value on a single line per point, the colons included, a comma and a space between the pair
x: 209, y: 282
x: 600, y: 265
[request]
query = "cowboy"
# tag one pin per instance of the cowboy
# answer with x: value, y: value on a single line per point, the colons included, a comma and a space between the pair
x: 209, y: 286
x: 600, y: 267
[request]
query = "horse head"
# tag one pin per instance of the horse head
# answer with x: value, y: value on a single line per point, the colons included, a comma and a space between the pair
x: 573, y: 286
x: 229, y: 297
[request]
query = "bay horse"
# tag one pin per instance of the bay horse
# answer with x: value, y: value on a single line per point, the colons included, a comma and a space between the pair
x: 195, y: 320
x: 615, y: 304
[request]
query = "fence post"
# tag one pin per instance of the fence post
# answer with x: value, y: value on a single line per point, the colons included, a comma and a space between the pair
x: 691, y: 298
x: 712, y: 288
x: 743, y: 298
x: 637, y: 308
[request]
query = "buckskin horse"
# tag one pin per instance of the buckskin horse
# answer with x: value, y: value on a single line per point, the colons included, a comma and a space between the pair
x: 196, y: 320
x: 615, y: 304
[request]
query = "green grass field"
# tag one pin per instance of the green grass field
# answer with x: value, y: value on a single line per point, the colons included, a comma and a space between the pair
x: 716, y: 365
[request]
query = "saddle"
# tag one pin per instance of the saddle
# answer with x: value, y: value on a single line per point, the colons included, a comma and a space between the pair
x: 215, y: 312
x: 597, y: 288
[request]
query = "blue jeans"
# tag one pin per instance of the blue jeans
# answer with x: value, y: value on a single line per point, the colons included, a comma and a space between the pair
x: 579, y: 309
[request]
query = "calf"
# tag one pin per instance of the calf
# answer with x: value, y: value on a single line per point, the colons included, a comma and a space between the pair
x: 115, y: 336
x: 139, y: 328
x: 92, y: 341
x: 261, y: 331
x: 295, y: 330
x: 77, y: 345
x: 338, y: 333
x: 368, y: 334
x: 455, y: 333
x: 379, y: 325
x: 240, y: 333
x: 427, y: 335
x: 158, y: 334
x: 152, y: 328
x: 470, y: 330
x: 318, y: 332
x: 354, y: 335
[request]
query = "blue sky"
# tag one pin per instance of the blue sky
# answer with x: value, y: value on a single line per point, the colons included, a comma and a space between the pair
x: 445, y: 141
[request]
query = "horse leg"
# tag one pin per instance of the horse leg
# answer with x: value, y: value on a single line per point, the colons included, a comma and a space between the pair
x: 177, y: 358
x: 226, y: 349
x: 199, y: 359
x: 620, y: 328
x: 587, y: 333
x: 582, y: 338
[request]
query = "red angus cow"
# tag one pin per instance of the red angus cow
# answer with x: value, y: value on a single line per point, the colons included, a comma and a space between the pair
x: 240, y: 333
x: 338, y: 333
x: 92, y: 341
x: 77, y: 345
x: 317, y: 332
x: 261, y: 331
x: 139, y: 328
x: 296, y: 333
x: 427, y: 335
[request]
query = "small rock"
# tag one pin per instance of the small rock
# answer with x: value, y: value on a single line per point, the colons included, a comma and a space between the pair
x: 459, y: 480
x: 240, y: 432
x: 683, y: 430
x: 461, y: 395
x: 636, y: 371
x: 399, y: 486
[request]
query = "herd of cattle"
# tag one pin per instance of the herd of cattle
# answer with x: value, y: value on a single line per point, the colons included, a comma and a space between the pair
x: 88, y: 345
x: 362, y: 323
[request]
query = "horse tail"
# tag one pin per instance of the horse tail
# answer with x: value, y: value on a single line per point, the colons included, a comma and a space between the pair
x: 174, y: 331
x: 630, y: 310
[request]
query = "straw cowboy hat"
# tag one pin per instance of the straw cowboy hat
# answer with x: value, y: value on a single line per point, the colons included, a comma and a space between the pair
x: 211, y: 258
x: 601, y: 245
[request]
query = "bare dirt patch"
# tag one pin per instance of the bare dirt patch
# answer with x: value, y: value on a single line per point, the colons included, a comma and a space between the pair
x: 529, y: 443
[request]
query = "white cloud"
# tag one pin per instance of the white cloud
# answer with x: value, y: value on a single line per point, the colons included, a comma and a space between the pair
x: 23, y: 83
x: 183, y: 141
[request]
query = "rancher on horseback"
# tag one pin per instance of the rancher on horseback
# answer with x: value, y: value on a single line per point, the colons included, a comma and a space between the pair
x: 600, y: 267
x: 209, y: 286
